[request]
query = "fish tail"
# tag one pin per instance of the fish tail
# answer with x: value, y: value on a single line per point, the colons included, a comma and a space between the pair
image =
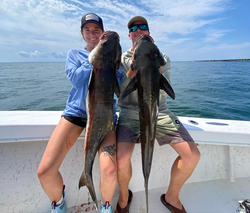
x: 146, y: 192
x: 82, y: 181
x: 87, y: 181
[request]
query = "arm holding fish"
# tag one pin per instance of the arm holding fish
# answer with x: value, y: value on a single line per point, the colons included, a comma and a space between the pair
x: 78, y: 72
x: 131, y: 73
x: 126, y: 62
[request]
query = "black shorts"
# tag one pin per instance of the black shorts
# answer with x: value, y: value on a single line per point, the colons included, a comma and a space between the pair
x: 82, y: 122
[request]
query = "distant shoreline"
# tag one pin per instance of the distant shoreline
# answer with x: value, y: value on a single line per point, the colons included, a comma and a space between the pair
x: 206, y: 60
x: 246, y: 59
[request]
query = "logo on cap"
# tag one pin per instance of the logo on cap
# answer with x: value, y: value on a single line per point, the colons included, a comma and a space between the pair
x: 93, y: 17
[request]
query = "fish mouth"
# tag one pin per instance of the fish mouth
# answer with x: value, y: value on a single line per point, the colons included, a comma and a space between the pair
x: 108, y: 33
x: 144, y: 36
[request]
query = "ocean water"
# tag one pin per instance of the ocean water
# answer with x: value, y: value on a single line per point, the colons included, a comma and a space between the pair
x: 218, y: 90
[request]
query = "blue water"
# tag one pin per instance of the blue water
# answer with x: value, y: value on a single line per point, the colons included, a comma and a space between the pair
x: 211, y: 89
x: 203, y: 89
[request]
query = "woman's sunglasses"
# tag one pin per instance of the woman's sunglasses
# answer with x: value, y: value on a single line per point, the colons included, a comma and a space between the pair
x: 135, y: 27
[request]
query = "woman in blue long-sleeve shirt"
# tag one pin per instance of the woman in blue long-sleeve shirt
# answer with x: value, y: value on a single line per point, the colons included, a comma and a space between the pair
x: 72, y: 123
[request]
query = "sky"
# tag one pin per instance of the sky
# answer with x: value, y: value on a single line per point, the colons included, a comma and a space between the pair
x: 186, y: 30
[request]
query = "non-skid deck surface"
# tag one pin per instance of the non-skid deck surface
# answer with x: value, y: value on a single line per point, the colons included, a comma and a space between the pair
x: 217, y: 196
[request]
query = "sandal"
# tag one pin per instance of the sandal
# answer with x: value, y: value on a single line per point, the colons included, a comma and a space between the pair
x: 171, y: 208
x: 126, y: 209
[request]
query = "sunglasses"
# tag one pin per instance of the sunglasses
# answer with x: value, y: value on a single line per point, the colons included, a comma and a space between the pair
x: 135, y: 27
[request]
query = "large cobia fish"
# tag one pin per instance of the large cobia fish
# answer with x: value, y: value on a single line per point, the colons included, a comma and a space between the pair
x: 148, y: 81
x: 106, y: 59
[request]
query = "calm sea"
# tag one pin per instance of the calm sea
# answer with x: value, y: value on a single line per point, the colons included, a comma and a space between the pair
x: 203, y: 89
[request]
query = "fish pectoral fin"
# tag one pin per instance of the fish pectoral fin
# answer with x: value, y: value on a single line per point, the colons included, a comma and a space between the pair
x: 132, y: 86
x: 164, y: 85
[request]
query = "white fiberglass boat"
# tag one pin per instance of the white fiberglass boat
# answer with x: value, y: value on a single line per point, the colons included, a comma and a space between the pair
x: 220, y: 180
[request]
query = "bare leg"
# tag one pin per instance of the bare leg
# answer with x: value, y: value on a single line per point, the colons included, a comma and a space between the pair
x: 182, y: 169
x: 124, y: 169
x: 62, y: 139
x: 108, y: 165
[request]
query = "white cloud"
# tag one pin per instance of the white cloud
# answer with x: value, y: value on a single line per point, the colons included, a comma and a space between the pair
x: 24, y: 54
x: 53, y: 27
x: 37, y: 54
x: 59, y: 55
x: 184, y: 17
x: 33, y: 54
x: 228, y: 47
x: 214, y: 35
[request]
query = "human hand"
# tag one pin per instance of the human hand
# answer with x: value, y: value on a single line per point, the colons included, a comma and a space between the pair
x: 131, y: 73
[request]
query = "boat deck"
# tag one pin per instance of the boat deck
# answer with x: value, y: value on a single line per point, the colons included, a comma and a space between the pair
x: 221, y: 178
x: 215, y: 196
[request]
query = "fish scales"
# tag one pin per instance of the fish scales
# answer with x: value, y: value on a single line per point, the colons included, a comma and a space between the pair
x: 148, y: 81
x: 106, y: 59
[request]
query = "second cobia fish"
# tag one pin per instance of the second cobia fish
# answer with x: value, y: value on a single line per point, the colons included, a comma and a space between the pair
x: 148, y: 81
x: 106, y: 59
